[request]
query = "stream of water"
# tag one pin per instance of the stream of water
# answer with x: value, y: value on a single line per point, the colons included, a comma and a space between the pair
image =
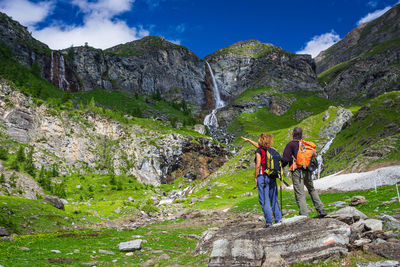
x: 211, y: 119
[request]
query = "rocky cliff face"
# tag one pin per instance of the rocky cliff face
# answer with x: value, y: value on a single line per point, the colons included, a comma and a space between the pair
x: 92, y: 143
x: 365, y: 63
x: 254, y: 64
x: 145, y: 66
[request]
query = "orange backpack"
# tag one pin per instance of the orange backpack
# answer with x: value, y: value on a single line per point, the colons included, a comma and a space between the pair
x: 306, y: 157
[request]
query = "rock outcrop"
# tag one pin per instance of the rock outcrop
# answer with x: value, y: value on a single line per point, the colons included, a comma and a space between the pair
x: 304, y: 240
x: 101, y: 145
x: 254, y: 64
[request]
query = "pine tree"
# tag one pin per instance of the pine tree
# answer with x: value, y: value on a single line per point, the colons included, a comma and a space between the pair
x: 21, y: 155
x: 29, y: 167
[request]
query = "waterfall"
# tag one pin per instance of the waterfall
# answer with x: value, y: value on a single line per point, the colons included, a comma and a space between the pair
x: 211, y: 119
x: 51, y: 67
x: 320, y: 159
x: 61, y: 78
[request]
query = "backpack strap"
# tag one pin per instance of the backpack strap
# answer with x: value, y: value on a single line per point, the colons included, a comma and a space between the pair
x: 263, y: 159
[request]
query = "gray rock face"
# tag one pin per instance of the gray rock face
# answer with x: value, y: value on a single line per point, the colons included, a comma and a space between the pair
x: 368, y: 56
x: 55, y: 201
x: 390, y: 222
x: 151, y: 156
x: 130, y: 245
x: 173, y: 70
x: 334, y: 127
x: 302, y: 241
x: 254, y: 64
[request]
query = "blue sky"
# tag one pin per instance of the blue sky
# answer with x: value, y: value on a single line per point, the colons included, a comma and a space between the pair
x: 201, y: 25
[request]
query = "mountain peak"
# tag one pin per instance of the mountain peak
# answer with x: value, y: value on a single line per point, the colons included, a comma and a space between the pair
x: 252, y: 48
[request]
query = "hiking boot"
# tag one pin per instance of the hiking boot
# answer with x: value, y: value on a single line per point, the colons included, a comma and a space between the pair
x: 267, y: 225
x: 321, y: 214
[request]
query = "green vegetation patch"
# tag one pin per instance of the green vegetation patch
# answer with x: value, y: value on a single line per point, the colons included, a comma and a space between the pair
x: 77, y: 247
x: 373, y: 127
x: 252, y: 48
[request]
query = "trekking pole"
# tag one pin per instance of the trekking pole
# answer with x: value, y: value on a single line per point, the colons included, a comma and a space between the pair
x: 281, y: 195
x: 398, y: 196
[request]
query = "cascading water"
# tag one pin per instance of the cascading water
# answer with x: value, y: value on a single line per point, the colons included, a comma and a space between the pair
x: 211, y: 119
x: 61, y: 78
x: 51, y: 67
x: 320, y: 159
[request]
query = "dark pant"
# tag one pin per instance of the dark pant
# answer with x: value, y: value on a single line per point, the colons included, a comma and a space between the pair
x: 268, y: 192
x: 300, y: 179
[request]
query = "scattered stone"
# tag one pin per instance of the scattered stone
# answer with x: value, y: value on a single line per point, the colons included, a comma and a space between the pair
x: 130, y: 245
x: 131, y: 199
x: 114, y: 261
x: 77, y: 251
x: 104, y: 186
x: 149, y: 234
x: 200, y: 128
x: 55, y: 251
x: 78, y: 186
x: 137, y: 236
x: 101, y: 251
x: 261, y: 218
x: 55, y: 201
x: 361, y: 242
x: 339, y: 204
x: 147, y: 263
x: 373, y: 225
x: 117, y: 210
x: 393, y: 201
x: 156, y: 239
x: 129, y: 254
x: 388, y: 250
x: 379, y: 240
x: 157, y: 251
x: 3, y: 231
x: 347, y: 215
x: 92, y: 263
x: 164, y: 257
x: 64, y: 201
x: 24, y: 248
x: 390, y: 222
x: 358, y: 227
x: 191, y: 236
x: 174, y: 251
x: 379, y: 264
x: 358, y: 200
x: 164, y: 232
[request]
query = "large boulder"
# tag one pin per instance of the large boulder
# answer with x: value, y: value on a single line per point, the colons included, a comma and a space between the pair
x: 3, y: 231
x: 347, y: 215
x: 55, y: 201
x: 248, y: 244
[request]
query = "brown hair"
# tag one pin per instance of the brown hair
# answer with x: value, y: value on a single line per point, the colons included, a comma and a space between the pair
x: 297, y: 133
x: 266, y: 140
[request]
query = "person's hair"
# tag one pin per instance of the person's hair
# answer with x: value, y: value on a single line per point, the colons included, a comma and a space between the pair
x: 266, y: 140
x: 297, y: 133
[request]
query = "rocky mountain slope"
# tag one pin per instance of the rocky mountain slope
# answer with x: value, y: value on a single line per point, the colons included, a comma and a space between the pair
x: 84, y: 141
x: 152, y: 65
x: 365, y: 63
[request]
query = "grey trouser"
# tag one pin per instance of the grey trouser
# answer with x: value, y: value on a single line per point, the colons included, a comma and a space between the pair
x: 300, y: 179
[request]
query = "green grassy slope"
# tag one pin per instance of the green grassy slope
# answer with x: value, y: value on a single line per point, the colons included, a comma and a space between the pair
x: 371, y: 136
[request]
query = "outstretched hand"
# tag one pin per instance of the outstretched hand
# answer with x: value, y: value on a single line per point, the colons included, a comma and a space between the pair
x: 245, y: 139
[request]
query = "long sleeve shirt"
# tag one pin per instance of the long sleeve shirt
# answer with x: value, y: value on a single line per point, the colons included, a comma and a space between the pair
x: 290, y: 152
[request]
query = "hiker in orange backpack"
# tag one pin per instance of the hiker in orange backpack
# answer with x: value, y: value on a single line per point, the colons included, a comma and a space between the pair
x: 301, y: 157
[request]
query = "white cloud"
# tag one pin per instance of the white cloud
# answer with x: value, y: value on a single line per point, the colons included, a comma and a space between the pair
x: 100, y: 29
x: 26, y: 12
x: 319, y: 43
x: 373, y: 15
x: 372, y: 3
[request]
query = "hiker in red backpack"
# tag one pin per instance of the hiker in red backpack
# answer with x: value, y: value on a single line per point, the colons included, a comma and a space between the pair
x: 266, y: 184
x: 301, y: 174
